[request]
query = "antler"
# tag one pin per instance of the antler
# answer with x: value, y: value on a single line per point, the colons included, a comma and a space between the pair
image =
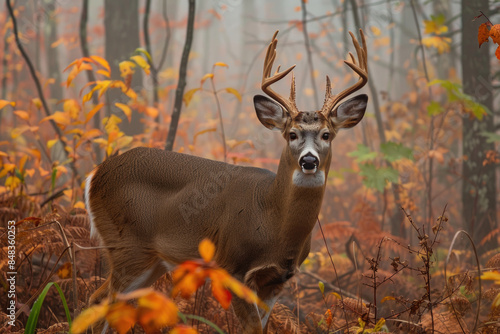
x: 361, y: 68
x: 268, y: 80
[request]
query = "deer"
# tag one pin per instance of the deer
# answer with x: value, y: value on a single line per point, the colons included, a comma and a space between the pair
x: 150, y: 208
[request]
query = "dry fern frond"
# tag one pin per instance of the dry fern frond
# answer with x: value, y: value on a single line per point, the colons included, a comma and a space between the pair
x: 494, y: 262
x: 444, y: 322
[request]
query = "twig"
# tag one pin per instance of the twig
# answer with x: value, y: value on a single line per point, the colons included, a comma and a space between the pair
x: 179, y: 92
x: 39, y: 88
x: 219, y: 113
x: 167, y: 37
x: 154, y: 70
x: 90, y: 74
x: 308, y: 51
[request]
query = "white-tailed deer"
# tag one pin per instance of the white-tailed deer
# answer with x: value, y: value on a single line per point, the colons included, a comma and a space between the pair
x: 150, y: 208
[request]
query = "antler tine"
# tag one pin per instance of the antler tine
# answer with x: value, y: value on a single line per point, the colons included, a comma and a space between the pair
x: 360, y: 67
x: 268, y: 80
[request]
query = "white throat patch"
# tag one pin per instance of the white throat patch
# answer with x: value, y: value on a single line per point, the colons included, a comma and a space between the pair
x: 308, y: 180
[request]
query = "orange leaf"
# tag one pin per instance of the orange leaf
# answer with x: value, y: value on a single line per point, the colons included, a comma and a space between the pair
x: 222, y: 294
x: 483, y: 34
x: 206, y: 76
x: 59, y: 117
x: 121, y: 316
x: 64, y: 271
x: 189, y: 95
x: 206, y: 249
x: 22, y: 114
x: 89, y: 317
x: 101, y: 61
x: 156, y: 311
x: 220, y: 64
x: 152, y: 112
x: 3, y: 103
x: 91, y: 113
x: 126, y: 110
x: 497, y: 53
x: 495, y: 33
x: 183, y: 329
x: 387, y: 298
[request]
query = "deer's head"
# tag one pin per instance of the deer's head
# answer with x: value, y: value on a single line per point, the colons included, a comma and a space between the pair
x: 309, y: 134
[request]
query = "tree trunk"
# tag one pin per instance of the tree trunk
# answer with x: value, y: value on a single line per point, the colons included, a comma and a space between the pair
x: 121, y: 22
x: 479, y: 181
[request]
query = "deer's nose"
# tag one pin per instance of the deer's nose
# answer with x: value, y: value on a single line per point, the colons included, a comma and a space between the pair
x: 309, y: 163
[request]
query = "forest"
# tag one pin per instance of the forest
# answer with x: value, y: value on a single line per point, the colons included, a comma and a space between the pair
x: 405, y: 236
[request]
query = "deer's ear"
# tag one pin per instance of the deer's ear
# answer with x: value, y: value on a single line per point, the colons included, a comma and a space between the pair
x: 270, y: 113
x: 350, y: 112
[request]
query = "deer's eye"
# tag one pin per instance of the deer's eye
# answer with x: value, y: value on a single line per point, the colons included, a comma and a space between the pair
x: 326, y: 136
x: 293, y: 136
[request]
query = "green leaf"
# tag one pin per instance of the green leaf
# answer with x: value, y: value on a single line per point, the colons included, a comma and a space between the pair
x: 394, y: 151
x: 491, y: 137
x: 377, y: 178
x: 363, y: 153
x: 321, y: 286
x: 35, y: 310
x: 434, y: 108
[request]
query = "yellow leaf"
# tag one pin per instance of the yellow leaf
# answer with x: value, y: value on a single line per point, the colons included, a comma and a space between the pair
x: 22, y: 162
x: 64, y: 271
x: 7, y: 168
x: 16, y: 132
x: 206, y: 76
x: 375, y: 31
x: 68, y: 193
x: 22, y: 114
x: 3, y: 103
x: 126, y: 110
x: 79, y: 205
x: 126, y: 68
x: 101, y: 61
x: 91, y: 113
x: 37, y: 102
x: 189, y: 95
x: 336, y: 295
x: 206, y: 249
x: 387, y: 298
x: 142, y: 63
x: 234, y: 92
x: 442, y: 44
x: 321, y: 286
x: 88, y: 317
x: 72, y: 108
x: 492, y: 276
x: 220, y: 64
x: 124, y: 141
x: 103, y: 72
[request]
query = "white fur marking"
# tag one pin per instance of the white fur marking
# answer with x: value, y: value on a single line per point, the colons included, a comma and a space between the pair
x: 169, y: 266
x: 93, y: 231
x: 265, y: 315
x: 308, y: 180
x: 139, y: 281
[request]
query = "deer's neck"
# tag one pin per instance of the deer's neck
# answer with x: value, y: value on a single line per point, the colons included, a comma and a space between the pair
x: 298, y: 203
